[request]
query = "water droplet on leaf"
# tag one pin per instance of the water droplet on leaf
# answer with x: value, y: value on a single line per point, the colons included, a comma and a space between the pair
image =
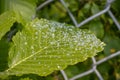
x: 25, y: 43
x: 32, y: 47
x: 58, y: 67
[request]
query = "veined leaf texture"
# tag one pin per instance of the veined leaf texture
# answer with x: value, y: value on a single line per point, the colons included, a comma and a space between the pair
x: 44, y: 46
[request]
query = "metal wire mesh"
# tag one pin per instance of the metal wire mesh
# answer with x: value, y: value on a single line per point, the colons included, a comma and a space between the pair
x: 94, y: 62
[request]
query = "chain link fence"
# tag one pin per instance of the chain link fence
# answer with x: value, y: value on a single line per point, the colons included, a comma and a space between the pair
x: 95, y: 63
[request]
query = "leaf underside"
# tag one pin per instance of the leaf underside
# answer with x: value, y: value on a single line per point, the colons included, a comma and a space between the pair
x: 44, y: 46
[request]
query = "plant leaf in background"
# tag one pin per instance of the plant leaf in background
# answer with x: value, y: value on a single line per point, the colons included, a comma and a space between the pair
x: 94, y: 8
x: 6, y: 21
x: 44, y: 46
x: 4, y: 48
x: 24, y: 9
x: 116, y: 7
x: 97, y: 27
x: 113, y: 43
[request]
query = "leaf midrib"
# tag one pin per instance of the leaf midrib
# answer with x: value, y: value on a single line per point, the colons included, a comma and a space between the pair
x: 19, y: 62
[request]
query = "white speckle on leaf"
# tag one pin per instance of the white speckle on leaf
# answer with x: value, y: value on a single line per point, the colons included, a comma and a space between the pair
x: 38, y: 62
x: 34, y: 25
x: 33, y: 51
x: 58, y: 67
x: 68, y: 54
x: 36, y: 37
x: 32, y: 47
x: 70, y: 29
x: 52, y: 43
x: 53, y: 35
x: 76, y: 49
x: 25, y: 43
x: 58, y: 44
x: 36, y: 33
x: 52, y: 29
x: 46, y: 25
x: 45, y: 47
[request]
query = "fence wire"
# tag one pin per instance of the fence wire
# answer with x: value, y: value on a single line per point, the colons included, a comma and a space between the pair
x: 94, y: 62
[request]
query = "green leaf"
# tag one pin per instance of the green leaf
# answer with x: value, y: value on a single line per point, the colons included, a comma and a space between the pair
x: 115, y: 6
x: 113, y: 43
x: 86, y: 8
x: 24, y: 9
x: 98, y: 28
x: 44, y: 46
x: 94, y: 8
x: 4, y: 49
x: 72, y: 71
x: 6, y: 21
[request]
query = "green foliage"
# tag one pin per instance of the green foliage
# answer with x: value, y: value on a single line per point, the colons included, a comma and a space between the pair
x: 22, y: 12
x: 24, y: 9
x: 94, y: 8
x: 97, y: 28
x: 44, y: 46
x: 4, y: 48
x: 112, y: 44
x: 6, y: 21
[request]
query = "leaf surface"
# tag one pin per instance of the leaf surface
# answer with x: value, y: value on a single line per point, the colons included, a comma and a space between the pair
x: 24, y: 9
x: 97, y: 28
x: 6, y: 21
x: 44, y: 46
